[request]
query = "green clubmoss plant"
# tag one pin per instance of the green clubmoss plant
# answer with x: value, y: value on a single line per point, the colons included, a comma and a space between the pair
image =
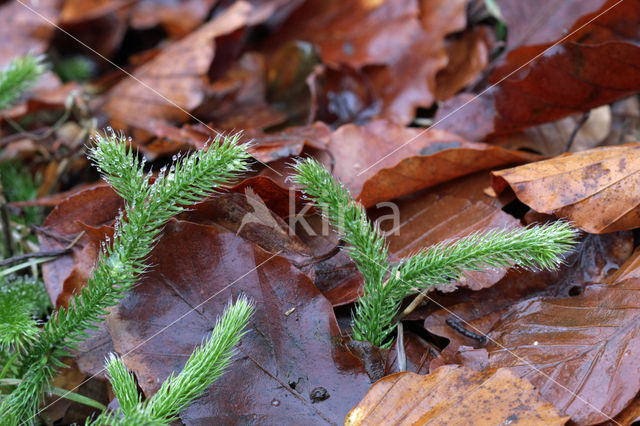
x: 147, y: 207
x: 387, y: 285
x: 205, y: 365
x: 18, y: 77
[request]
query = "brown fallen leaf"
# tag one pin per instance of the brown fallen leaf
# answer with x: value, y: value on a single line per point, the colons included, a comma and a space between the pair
x: 454, y: 395
x: 595, y: 189
x: 449, y: 212
x: 100, y: 24
x: 178, y: 73
x: 594, y: 66
x: 94, y: 207
x: 178, y: 18
x: 265, y: 147
x: 541, y: 22
x: 381, y: 161
x: 581, y: 352
x: 468, y: 57
x: 288, y: 365
x: 397, y: 45
x: 551, y: 139
x: 465, y: 317
x: 22, y: 31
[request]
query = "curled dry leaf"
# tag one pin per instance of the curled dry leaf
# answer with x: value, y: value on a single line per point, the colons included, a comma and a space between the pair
x: 445, y: 396
x: 582, y: 352
x: 595, y: 189
x: 468, y: 57
x: 382, y: 161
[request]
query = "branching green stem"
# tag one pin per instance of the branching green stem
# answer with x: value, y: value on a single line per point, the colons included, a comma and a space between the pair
x: 385, y: 286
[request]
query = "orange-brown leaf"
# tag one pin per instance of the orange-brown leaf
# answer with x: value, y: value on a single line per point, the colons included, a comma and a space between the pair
x: 453, y: 395
x: 596, y: 189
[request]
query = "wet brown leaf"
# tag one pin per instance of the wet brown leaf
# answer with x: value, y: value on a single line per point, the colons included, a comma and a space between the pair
x: 382, y: 161
x: 594, y: 66
x: 465, y: 317
x: 94, y: 207
x: 293, y: 346
x: 576, y: 350
x: 595, y: 189
x: 434, y: 216
x: 445, y: 397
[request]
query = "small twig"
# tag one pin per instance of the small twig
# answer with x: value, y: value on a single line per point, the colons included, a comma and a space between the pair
x: 457, y: 326
x: 576, y: 129
x: 6, y: 226
x: 23, y: 257
x: 51, y: 234
x: 47, y: 253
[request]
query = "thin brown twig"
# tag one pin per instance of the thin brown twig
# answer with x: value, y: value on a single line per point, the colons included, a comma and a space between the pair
x: 26, y: 256
x: 46, y: 253
x: 576, y: 129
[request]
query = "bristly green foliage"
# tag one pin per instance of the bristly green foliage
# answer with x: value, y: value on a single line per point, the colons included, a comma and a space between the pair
x: 22, y: 301
x: 205, y: 365
x: 385, y: 286
x: 17, y: 77
x: 147, y: 208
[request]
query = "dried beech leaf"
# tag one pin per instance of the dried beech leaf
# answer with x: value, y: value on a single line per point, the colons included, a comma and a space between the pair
x: 594, y: 66
x: 178, y: 73
x: 446, y: 396
x: 595, y: 189
x: 582, y: 352
x: 382, y: 161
